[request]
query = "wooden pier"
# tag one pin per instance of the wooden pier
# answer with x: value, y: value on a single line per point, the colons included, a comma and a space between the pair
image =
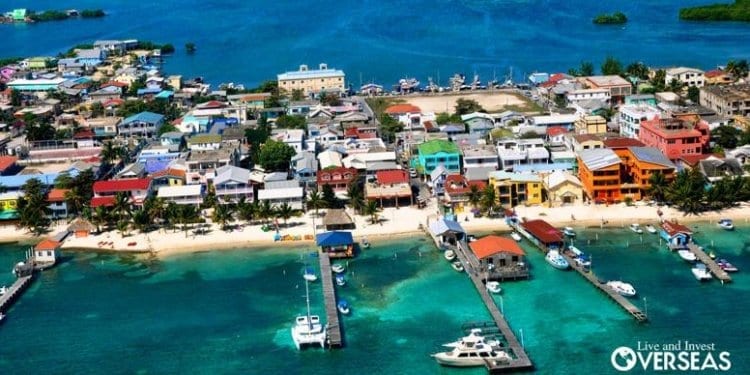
x: 720, y: 274
x: 329, y: 296
x: 589, y: 275
x: 15, y: 291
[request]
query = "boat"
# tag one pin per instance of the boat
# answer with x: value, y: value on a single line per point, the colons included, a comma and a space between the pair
x: 340, y: 281
x: 636, y: 228
x: 622, y: 288
x: 449, y: 255
x: 580, y: 257
x: 457, y: 81
x: 457, y: 266
x: 515, y: 236
x: 701, y: 272
x: 712, y: 255
x: 309, y: 275
x: 2, y: 317
x: 343, y: 307
x: 365, y: 243
x: 471, y: 351
x: 3, y: 290
x: 308, y: 329
x: 554, y: 258
x: 650, y: 228
x: 338, y: 268
x: 687, y: 255
x: 407, y: 85
x: 726, y: 224
x: 726, y: 266
x: 568, y: 231
x: 494, y: 287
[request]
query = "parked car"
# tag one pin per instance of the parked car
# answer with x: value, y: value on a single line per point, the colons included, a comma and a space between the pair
x: 412, y: 172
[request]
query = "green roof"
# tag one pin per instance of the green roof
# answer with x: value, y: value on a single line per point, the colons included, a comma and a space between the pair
x: 437, y: 145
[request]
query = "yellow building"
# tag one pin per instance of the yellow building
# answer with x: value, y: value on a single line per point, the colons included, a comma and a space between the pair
x: 562, y: 188
x: 175, y: 82
x: 313, y: 82
x: 591, y: 125
x: 9, y: 205
x: 513, y: 189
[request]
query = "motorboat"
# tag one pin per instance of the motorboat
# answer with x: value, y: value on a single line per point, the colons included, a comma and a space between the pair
x: 457, y: 266
x: 650, y: 228
x: 726, y: 224
x: 309, y: 275
x: 580, y: 257
x: 307, y: 328
x: 726, y: 266
x: 687, y: 255
x: 554, y: 258
x: 338, y: 268
x: 2, y: 317
x: 701, y: 273
x: 343, y: 307
x: 3, y: 290
x: 622, y: 288
x: 471, y: 351
x: 494, y: 287
x: 515, y: 236
x: 711, y: 254
x: 449, y: 255
x: 636, y: 228
x: 568, y: 231
x: 340, y: 281
x: 365, y: 243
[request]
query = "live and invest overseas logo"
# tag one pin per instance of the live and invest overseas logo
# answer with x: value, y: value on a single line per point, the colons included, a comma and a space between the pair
x: 674, y: 356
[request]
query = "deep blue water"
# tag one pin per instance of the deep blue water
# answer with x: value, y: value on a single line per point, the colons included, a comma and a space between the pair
x: 251, y: 41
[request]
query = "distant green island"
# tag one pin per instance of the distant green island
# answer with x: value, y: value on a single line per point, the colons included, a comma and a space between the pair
x: 58, y: 15
x: 739, y: 11
x: 616, y: 18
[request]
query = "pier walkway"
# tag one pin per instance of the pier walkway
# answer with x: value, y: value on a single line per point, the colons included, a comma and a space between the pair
x: 14, y: 292
x: 720, y: 274
x: 329, y: 297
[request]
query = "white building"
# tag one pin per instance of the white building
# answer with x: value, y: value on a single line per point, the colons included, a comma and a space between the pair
x: 588, y: 94
x: 688, y: 76
x: 313, y: 82
x: 479, y: 156
x: 292, y: 137
x: 630, y: 116
x: 182, y: 194
x: 514, y: 152
x: 278, y: 193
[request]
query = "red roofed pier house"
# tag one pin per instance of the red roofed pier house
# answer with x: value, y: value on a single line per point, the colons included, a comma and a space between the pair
x: 500, y: 258
x: 542, y: 234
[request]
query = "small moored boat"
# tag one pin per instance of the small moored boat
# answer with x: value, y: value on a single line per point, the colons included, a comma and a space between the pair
x: 556, y: 260
x: 726, y: 266
x: 701, y: 273
x: 726, y: 224
x: 2, y: 317
x: 457, y: 266
x: 338, y: 268
x: 343, y: 307
x: 650, y: 228
x: 3, y: 290
x: 687, y: 255
x: 622, y: 288
x: 340, y: 281
x: 365, y: 243
x: 568, y: 231
x: 636, y: 228
x: 494, y: 287
x: 515, y: 236
x: 449, y: 255
x: 309, y: 275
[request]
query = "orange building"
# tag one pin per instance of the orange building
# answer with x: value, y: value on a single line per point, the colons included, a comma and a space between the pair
x: 599, y: 172
x: 639, y: 164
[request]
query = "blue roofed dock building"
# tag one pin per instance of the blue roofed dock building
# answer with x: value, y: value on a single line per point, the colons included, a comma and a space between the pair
x: 337, y: 244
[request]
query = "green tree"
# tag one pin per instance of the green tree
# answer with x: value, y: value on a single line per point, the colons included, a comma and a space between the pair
x: 694, y: 94
x: 97, y: 109
x: 256, y: 137
x: 246, y: 210
x: 658, y: 81
x: 489, y: 199
x: 687, y: 191
x: 141, y: 220
x: 284, y: 211
x: 675, y: 85
x: 585, y: 69
x: 465, y: 106
x: 726, y: 136
x: 637, y: 69
x: 291, y: 122
x: 298, y: 94
x: 32, y: 207
x: 389, y: 127
x: 110, y: 152
x: 167, y: 128
x: 371, y: 209
x: 275, y: 155
x: 330, y: 99
x: 475, y: 195
x: 167, y: 49
x: 190, y: 48
x: 223, y: 214
x: 16, y: 98
x: 100, y: 218
x: 265, y: 210
x: 738, y: 69
x: 657, y: 186
x: 80, y: 191
x: 315, y: 200
x: 209, y: 200
x: 356, y: 196
x: 611, y: 66
x: 122, y: 209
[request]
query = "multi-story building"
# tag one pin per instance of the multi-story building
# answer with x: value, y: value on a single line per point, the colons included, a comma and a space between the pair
x: 599, y: 172
x: 338, y: 178
x: 513, y: 189
x: 588, y: 94
x: 313, y: 82
x: 515, y: 152
x: 479, y: 156
x: 618, y: 87
x: 639, y: 164
x: 144, y: 124
x: 629, y: 118
x: 728, y: 100
x: 688, y: 76
x: 437, y: 151
x: 232, y: 184
x: 137, y: 189
x: 591, y: 125
x: 675, y: 137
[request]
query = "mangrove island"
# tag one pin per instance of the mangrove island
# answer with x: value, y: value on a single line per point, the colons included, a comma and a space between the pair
x: 739, y: 11
x: 616, y: 18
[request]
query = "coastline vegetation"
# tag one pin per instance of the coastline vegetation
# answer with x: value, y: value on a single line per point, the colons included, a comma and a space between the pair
x: 60, y: 15
x: 616, y: 18
x: 738, y: 11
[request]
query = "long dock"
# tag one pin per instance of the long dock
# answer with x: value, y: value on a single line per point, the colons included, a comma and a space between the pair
x: 329, y: 296
x: 14, y: 292
x: 628, y: 306
x: 720, y: 274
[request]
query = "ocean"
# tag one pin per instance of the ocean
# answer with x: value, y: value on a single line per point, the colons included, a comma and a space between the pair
x: 231, y: 311
x: 381, y: 41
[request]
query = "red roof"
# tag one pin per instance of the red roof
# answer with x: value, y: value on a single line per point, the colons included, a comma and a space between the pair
x: 111, y: 186
x: 212, y: 104
x: 56, y: 195
x: 456, y: 184
x: 47, y: 244
x: 174, y: 172
x: 714, y: 73
x: 693, y: 160
x: 114, y: 83
x: 7, y: 162
x: 393, y: 176
x: 622, y: 142
x: 554, y: 131
x: 543, y: 231
x: 102, y: 201
x: 112, y: 103
x: 351, y: 133
x: 491, y: 245
x: 84, y: 134
x: 673, y: 228
x: 402, y: 108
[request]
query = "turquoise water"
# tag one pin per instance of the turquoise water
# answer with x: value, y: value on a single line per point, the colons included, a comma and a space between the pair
x: 230, y: 311
x: 388, y: 39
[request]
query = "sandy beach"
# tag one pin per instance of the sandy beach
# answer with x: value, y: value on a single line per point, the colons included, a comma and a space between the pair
x: 492, y: 102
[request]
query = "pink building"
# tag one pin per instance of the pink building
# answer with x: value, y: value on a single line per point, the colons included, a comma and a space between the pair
x: 675, y: 137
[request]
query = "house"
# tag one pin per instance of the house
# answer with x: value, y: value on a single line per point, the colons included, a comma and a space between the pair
x: 204, y: 142
x: 182, y: 194
x: 716, y: 169
x: 478, y: 123
x: 562, y: 188
x: 168, y: 177
x: 304, y: 167
x: 437, y: 180
x: 410, y: 116
x: 57, y: 204
x: 105, y: 93
x: 629, y: 118
x: 339, y: 178
x: 9, y: 205
x: 688, y: 76
x: 328, y: 159
x: 599, y: 172
x: 132, y: 170
x: 117, y: 46
x: 136, y: 189
x: 515, y: 152
x: 312, y: 82
x: 81, y: 228
x: 499, y: 258
x: 232, y: 184
x: 457, y: 189
x: 727, y: 100
x: 171, y: 140
x: 391, y: 186
x: 641, y: 99
x: 46, y: 253
x: 337, y: 219
x: 278, y: 193
x: 676, y: 235
x: 436, y: 152
x: 556, y: 136
x: 513, y: 189
x: 449, y: 232
x: 104, y: 127
x: 144, y: 124
x: 36, y: 85
x: 588, y: 94
x: 479, y: 156
x: 618, y: 87
x: 565, y: 121
x: 202, y: 165
x: 591, y: 125
x: 639, y: 164
x: 675, y: 137
x: 8, y: 165
x: 254, y: 101
x: 542, y: 234
x: 91, y: 57
x: 337, y: 244
x: 363, y: 161
x: 717, y: 77
x: 292, y: 137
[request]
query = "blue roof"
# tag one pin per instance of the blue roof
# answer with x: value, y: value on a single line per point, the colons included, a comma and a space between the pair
x: 334, y: 238
x: 443, y: 226
x: 166, y: 94
x: 542, y: 167
x: 147, y: 91
x: 15, y: 182
x: 148, y: 117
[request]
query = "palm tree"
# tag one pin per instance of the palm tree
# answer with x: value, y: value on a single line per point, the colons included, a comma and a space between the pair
x: 315, y: 201
x: 223, y: 215
x: 156, y: 208
x: 284, y: 211
x: 265, y: 211
x: 658, y: 186
x: 110, y: 153
x: 475, y: 195
x: 356, y: 198
x: 209, y: 201
x: 489, y: 198
x: 141, y: 220
x: 371, y: 209
x: 100, y: 217
x: 172, y: 214
x: 121, y: 209
x: 245, y: 210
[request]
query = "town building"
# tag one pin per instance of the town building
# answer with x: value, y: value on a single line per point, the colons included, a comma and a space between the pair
x: 675, y: 137
x: 339, y: 178
x: 599, y: 172
x: 313, y: 82
x: 231, y: 184
x: 516, y: 152
x: 479, y: 156
x: 136, y: 189
x: 641, y: 99
x: 280, y: 192
x: 144, y: 124
x: 591, y: 125
x: 618, y: 87
x: 542, y: 234
x: 688, y: 76
x: 639, y: 164
x: 588, y: 94
x: 337, y: 244
x: 182, y: 194
x: 729, y: 100
x: 629, y: 118
x: 718, y: 77
x: 456, y: 192
x: 499, y: 258
x: 438, y: 152
x: 513, y: 189
x: 390, y: 187
x: 562, y: 188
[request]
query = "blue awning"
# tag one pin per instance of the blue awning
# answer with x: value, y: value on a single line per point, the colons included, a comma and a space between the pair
x: 334, y: 238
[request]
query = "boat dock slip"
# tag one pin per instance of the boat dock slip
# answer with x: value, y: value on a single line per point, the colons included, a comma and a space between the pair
x: 720, y: 274
x: 622, y: 301
x: 329, y: 297
x: 14, y: 292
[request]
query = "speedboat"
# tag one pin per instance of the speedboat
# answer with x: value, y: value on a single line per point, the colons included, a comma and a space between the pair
x: 726, y: 266
x: 471, y: 351
x: 726, y: 224
x: 343, y: 307
x: 457, y: 266
x: 494, y: 287
x: 515, y: 236
x: 338, y: 268
x: 340, y: 281
x: 622, y: 288
x: 568, y: 231
x: 449, y: 255
x: 554, y: 258
x: 712, y: 255
x: 365, y: 243
x: 701, y: 273
x: 309, y: 275
x: 650, y: 228
x: 307, y: 328
x: 579, y: 256
x: 636, y: 228
x: 687, y: 255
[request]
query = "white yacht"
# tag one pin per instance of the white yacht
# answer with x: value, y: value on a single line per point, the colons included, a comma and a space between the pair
x: 338, y: 268
x: 494, y: 287
x: 701, y: 273
x: 636, y: 228
x: 471, y: 351
x: 568, y: 231
x: 308, y: 329
x: 726, y: 224
x: 556, y: 260
x: 309, y: 275
x: 622, y: 288
x: 515, y: 236
x: 650, y: 228
x: 449, y: 255
x: 687, y: 255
